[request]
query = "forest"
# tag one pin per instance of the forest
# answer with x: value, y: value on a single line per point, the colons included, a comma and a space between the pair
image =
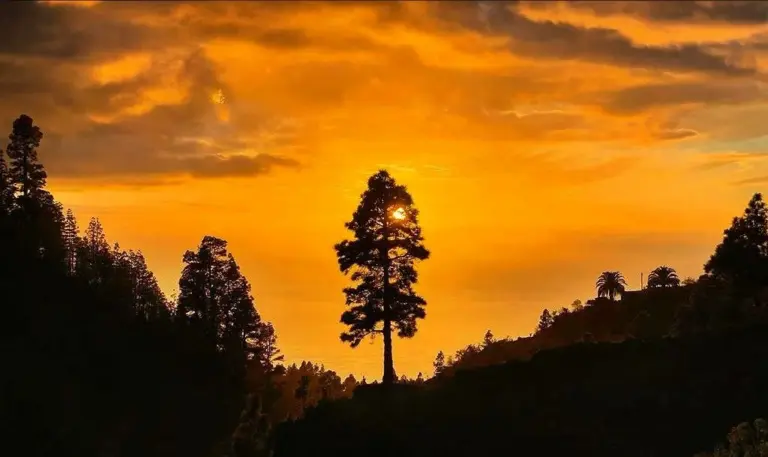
x: 99, y: 362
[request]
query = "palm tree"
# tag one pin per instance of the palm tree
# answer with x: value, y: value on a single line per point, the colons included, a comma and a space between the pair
x: 610, y: 284
x: 663, y: 276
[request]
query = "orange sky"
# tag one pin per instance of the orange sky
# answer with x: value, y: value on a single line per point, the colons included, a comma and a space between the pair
x: 543, y: 143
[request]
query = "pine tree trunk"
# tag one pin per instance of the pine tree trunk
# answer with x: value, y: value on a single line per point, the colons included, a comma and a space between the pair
x: 389, y: 364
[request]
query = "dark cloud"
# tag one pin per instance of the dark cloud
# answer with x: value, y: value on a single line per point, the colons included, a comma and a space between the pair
x: 33, y: 29
x: 636, y: 99
x: 207, y: 166
x: 238, y: 165
x: 46, y: 52
x: 555, y: 40
x: 185, y: 138
x: 729, y: 11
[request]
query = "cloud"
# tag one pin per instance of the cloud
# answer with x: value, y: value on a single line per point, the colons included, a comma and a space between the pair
x: 677, y: 134
x: 33, y: 29
x: 162, y: 121
x: 124, y: 88
x: 641, y: 98
x: 732, y: 12
x: 754, y: 180
x: 717, y: 160
x: 557, y: 40
x: 208, y: 166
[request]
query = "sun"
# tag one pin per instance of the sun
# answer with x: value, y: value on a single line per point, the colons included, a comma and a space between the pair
x: 399, y: 214
x: 218, y: 97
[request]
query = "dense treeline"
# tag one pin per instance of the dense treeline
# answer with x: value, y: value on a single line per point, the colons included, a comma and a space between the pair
x: 636, y: 398
x: 99, y: 362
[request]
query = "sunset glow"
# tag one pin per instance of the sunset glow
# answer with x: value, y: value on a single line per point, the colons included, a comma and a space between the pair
x: 543, y: 144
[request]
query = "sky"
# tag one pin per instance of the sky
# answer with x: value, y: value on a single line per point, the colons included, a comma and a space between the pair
x: 543, y: 143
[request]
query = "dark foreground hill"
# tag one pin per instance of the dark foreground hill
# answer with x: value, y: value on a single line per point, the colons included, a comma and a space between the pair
x: 669, y: 397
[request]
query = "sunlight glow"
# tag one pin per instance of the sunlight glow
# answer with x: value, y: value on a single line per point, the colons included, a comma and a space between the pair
x: 399, y: 214
x: 218, y: 97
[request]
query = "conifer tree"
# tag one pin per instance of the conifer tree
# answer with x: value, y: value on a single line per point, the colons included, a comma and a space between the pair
x: 38, y: 218
x: 266, y: 346
x: 439, y: 363
x: 741, y: 258
x: 240, y: 321
x: 6, y: 189
x: 216, y: 298
x: 488, y: 339
x: 70, y: 236
x: 27, y: 174
x: 94, y: 255
x: 349, y: 385
x: 149, y: 301
x: 202, y: 283
x: 545, y: 321
x: 381, y: 258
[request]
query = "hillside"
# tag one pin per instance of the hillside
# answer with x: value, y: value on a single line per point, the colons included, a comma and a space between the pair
x: 648, y: 313
x: 636, y: 398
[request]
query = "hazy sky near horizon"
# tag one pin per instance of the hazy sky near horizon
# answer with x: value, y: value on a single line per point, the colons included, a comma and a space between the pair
x: 543, y: 143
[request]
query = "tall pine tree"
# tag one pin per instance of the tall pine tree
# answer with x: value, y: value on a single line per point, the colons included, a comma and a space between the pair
x: 39, y: 218
x: 381, y: 259
x: 27, y: 174
x: 215, y: 298
x: 94, y: 255
x: 201, y: 286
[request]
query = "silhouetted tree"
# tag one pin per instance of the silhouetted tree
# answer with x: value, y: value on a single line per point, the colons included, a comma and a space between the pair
x: 439, y: 363
x: 349, y: 385
x: 488, y: 339
x: 741, y: 259
x: 7, y: 238
x: 94, y: 257
x: 577, y: 305
x: 266, y: 346
x: 27, y: 174
x: 147, y: 297
x: 545, y: 321
x: 663, y: 276
x: 381, y: 257
x: 93, y: 365
x: 38, y: 219
x: 202, y: 286
x: 689, y: 281
x: 610, y: 284
x: 216, y: 299
x: 71, y: 239
x: 6, y: 189
x: 241, y: 324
